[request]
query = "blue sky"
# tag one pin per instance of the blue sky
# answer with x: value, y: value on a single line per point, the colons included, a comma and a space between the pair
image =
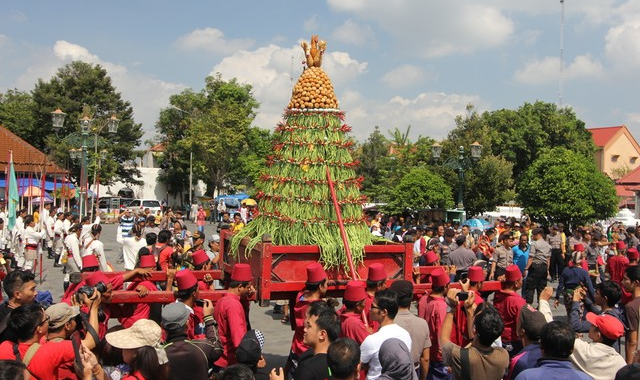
x: 393, y: 63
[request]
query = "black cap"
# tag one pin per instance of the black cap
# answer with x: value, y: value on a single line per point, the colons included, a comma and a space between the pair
x: 403, y: 288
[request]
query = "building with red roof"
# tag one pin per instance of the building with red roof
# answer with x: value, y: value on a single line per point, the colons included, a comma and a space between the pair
x: 618, y: 152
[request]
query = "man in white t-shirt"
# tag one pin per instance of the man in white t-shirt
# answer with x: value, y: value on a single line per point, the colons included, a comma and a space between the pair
x: 383, y: 310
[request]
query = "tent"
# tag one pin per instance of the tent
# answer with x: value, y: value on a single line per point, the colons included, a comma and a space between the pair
x: 232, y: 200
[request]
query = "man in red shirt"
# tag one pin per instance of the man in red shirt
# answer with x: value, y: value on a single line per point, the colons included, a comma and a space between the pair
x: 315, y: 289
x: 618, y: 263
x: 136, y: 311
x: 351, y: 324
x: 376, y: 281
x: 434, y: 313
x: 229, y: 313
x: 509, y: 302
x: 163, y: 251
x: 28, y: 325
x: 460, y: 333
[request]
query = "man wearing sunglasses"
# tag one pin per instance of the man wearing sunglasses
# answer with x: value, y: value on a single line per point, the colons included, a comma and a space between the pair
x: 384, y: 309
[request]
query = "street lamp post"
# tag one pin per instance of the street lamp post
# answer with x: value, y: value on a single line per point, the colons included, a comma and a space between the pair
x: 87, y: 127
x: 459, y: 163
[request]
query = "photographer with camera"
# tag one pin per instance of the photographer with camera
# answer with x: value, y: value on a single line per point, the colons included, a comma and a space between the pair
x: 66, y: 323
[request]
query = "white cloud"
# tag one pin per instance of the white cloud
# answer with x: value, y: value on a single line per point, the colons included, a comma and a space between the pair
x: 405, y: 75
x: 420, y: 26
x: 353, y: 33
x: 273, y: 70
x: 212, y: 40
x: 146, y: 94
x: 623, y: 45
x: 429, y: 114
x: 547, y: 70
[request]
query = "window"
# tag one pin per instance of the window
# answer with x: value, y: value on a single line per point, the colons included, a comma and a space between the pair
x: 150, y: 204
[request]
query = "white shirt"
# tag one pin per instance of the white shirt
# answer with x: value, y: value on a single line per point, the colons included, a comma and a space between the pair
x: 32, y: 237
x: 73, y: 245
x: 371, y: 347
x: 130, y: 248
x: 95, y: 247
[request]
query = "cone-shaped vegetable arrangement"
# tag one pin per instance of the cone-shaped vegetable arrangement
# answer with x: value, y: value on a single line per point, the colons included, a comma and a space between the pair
x: 296, y: 206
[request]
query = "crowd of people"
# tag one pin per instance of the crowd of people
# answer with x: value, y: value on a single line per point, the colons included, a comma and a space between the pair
x: 454, y: 332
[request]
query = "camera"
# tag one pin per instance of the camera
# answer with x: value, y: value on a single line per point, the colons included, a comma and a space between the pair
x: 199, y: 302
x: 89, y: 290
x: 86, y: 290
x: 463, y: 296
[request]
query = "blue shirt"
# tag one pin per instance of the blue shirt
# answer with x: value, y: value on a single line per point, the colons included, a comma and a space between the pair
x: 520, y: 257
x: 572, y: 277
x: 553, y: 369
x: 525, y: 359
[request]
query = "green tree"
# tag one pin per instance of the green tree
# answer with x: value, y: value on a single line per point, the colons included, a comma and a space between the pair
x: 520, y: 135
x: 215, y: 125
x: 251, y: 162
x: 489, y: 184
x: 17, y: 114
x: 417, y: 189
x: 564, y: 186
x: 372, y: 154
x: 75, y: 87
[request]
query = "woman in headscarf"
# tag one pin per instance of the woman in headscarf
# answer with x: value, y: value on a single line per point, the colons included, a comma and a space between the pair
x: 396, y: 361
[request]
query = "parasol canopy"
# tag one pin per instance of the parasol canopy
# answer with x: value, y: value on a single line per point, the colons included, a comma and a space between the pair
x: 249, y: 202
x: 33, y: 191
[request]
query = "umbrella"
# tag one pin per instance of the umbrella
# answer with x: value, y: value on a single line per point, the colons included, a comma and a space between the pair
x: 474, y: 223
x: 46, y: 199
x: 33, y: 191
x: 249, y: 202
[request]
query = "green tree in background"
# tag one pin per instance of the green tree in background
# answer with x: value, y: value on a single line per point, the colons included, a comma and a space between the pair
x: 215, y: 125
x: 417, y: 189
x: 17, y: 114
x: 564, y: 186
x: 75, y: 87
x: 489, y: 183
x: 520, y: 135
x: 373, y: 156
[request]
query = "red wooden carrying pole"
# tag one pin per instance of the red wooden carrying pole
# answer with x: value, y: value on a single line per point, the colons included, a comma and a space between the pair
x: 343, y: 234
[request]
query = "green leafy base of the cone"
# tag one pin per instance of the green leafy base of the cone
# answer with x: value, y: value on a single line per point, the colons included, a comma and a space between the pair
x: 328, y: 238
x: 296, y: 207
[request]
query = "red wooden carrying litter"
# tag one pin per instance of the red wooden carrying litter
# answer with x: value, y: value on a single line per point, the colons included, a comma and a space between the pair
x: 279, y: 271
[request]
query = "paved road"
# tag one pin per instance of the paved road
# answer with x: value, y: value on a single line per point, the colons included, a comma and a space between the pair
x: 277, y: 336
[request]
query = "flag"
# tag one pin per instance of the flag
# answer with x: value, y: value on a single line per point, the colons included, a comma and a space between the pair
x: 14, y: 198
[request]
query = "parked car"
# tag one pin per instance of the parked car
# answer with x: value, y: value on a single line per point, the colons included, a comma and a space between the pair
x: 138, y: 205
x: 113, y: 204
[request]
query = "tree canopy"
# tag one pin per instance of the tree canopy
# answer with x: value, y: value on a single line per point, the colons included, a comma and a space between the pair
x: 76, y: 88
x: 418, y: 189
x: 564, y: 186
x: 520, y: 135
x: 215, y: 125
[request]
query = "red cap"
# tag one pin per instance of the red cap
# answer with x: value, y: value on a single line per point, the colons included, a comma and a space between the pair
x: 475, y: 274
x: 95, y: 278
x: 620, y: 245
x: 609, y: 326
x: 90, y: 261
x: 513, y: 273
x: 199, y: 257
x: 355, y: 291
x: 633, y: 254
x: 315, y: 273
x: 376, y: 272
x: 185, y: 279
x: 439, y: 277
x: 578, y: 247
x: 241, y: 273
x: 431, y: 257
x: 147, y: 261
